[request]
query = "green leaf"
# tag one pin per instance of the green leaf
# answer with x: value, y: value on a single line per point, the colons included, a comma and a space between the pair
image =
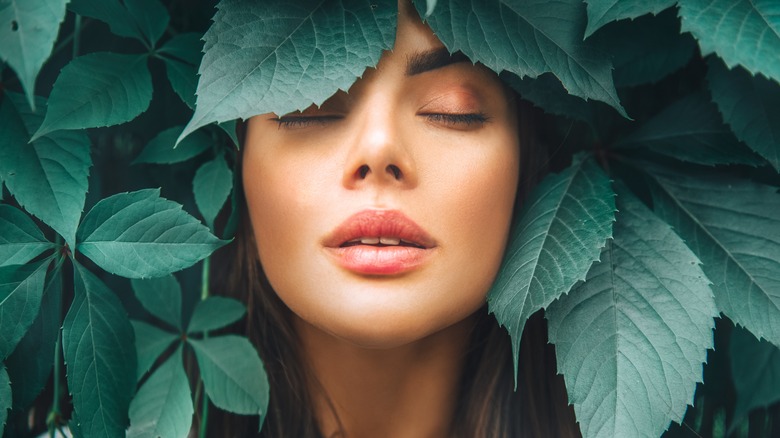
x: 255, y: 51
x: 232, y: 374
x: 31, y: 362
x: 21, y: 289
x: 751, y: 107
x: 561, y: 230
x: 99, y: 89
x: 140, y: 235
x: 150, y: 16
x: 187, y: 47
x: 213, y: 313
x: 547, y: 93
x: 28, y: 29
x: 184, y: 81
x: 755, y: 369
x: 150, y: 343
x: 528, y: 38
x: 5, y: 397
x: 163, y: 405
x: 161, y: 150
x: 690, y: 130
x: 741, y: 32
x: 20, y: 239
x: 731, y: 224
x: 97, y: 341
x: 647, y: 49
x: 211, y: 186
x: 112, y: 13
x: 161, y: 297
x: 631, y: 340
x: 601, y: 12
x: 229, y: 128
x: 49, y: 177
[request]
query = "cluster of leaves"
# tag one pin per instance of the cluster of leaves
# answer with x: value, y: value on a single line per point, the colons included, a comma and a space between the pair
x: 45, y: 160
x: 667, y: 216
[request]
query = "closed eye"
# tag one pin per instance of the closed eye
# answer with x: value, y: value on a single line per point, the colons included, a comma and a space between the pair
x: 461, y: 121
x: 303, y: 121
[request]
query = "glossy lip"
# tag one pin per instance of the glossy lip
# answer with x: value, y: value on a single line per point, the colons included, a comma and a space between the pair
x: 379, y: 260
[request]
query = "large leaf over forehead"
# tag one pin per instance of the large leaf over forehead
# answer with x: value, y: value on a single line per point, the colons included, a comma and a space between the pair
x: 280, y: 56
x: 527, y: 38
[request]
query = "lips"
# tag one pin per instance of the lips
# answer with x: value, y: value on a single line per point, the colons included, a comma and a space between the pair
x: 379, y: 242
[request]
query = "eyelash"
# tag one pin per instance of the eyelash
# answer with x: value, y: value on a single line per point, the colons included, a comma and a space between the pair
x: 294, y: 122
x: 466, y: 120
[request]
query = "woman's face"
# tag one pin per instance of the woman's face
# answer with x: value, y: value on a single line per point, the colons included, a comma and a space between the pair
x: 382, y: 216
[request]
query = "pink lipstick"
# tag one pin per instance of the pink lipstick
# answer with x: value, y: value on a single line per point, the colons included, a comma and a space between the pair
x: 379, y: 242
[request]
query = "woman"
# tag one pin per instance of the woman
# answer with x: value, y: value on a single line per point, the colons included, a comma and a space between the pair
x: 380, y: 220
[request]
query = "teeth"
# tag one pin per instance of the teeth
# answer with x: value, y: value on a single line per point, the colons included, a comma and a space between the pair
x: 378, y: 240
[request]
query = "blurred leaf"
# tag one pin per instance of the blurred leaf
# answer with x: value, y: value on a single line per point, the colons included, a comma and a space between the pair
x: 647, y: 49
x: 631, y: 340
x: 161, y: 297
x: 160, y: 149
x: 732, y: 225
x: 21, y: 289
x: 547, y: 93
x: 140, y: 235
x: 6, y: 400
x: 255, y: 50
x: 28, y: 29
x: 187, y: 47
x: 97, y: 341
x: 233, y: 375
x: 751, y: 106
x: 20, y: 239
x: 184, y: 81
x: 744, y: 32
x: 150, y: 16
x: 31, y: 362
x: 49, y: 177
x: 112, y: 13
x: 215, y: 312
x: 211, y: 186
x: 691, y: 130
x: 99, y: 89
x: 150, y: 343
x: 562, y: 227
x: 755, y: 368
x: 528, y: 38
x: 163, y: 405
x: 601, y: 12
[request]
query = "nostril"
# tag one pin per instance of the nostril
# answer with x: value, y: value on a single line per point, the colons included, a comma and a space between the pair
x: 392, y: 168
x: 363, y: 171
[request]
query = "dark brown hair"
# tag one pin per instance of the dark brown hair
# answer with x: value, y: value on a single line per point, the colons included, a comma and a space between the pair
x: 488, y: 405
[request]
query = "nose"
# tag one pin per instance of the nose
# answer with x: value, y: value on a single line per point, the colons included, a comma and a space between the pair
x: 379, y: 153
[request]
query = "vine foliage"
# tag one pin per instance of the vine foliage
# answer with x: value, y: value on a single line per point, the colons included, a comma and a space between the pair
x: 654, y: 250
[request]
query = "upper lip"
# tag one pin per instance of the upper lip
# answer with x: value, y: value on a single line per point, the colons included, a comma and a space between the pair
x: 377, y: 224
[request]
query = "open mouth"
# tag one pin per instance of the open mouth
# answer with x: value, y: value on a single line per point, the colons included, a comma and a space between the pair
x: 381, y: 242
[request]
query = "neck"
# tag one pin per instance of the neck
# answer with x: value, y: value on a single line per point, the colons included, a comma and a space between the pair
x: 408, y: 391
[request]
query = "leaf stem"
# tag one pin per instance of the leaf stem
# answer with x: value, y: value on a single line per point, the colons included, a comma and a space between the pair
x: 76, y: 36
x: 54, y: 415
x: 204, y: 417
x: 204, y: 286
x: 204, y: 293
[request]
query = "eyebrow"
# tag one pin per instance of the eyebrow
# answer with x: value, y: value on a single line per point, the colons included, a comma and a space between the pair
x: 431, y: 60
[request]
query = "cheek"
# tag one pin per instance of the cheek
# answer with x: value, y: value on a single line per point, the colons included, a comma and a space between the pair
x: 476, y: 195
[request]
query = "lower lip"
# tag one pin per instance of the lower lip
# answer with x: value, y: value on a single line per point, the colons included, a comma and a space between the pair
x: 380, y: 260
